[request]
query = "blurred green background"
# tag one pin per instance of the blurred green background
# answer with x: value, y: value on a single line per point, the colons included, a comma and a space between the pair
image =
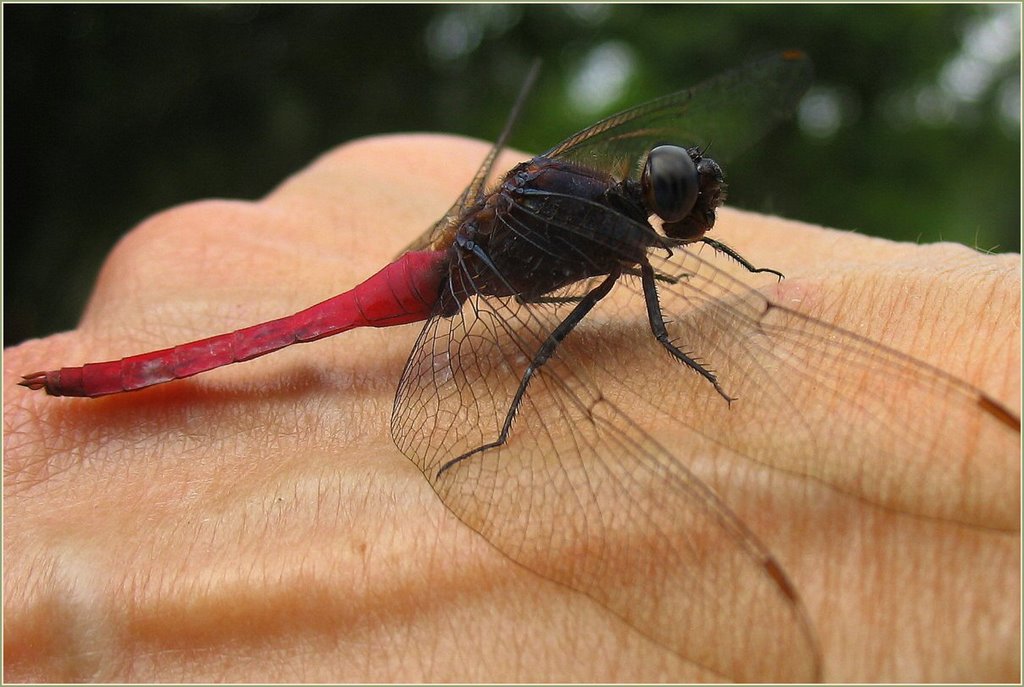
x: 111, y: 113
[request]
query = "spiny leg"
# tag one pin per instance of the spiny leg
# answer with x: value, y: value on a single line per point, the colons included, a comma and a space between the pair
x: 543, y: 354
x: 661, y: 333
x: 722, y: 248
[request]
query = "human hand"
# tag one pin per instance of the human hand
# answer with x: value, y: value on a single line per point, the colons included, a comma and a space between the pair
x: 258, y: 524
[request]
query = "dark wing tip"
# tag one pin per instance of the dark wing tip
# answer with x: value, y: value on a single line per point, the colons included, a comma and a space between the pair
x: 999, y: 411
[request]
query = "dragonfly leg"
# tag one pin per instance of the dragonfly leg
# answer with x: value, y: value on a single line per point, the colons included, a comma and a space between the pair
x: 722, y: 248
x: 543, y: 354
x: 647, y: 276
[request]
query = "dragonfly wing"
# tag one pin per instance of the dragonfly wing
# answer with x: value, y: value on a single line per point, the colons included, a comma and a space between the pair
x: 444, y: 226
x: 819, y: 401
x: 583, y: 496
x: 440, y: 233
x: 728, y: 114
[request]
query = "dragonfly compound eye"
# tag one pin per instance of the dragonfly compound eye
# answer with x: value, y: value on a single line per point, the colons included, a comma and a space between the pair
x: 670, y: 182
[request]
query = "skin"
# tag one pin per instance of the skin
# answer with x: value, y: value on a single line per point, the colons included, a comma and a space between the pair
x: 258, y: 524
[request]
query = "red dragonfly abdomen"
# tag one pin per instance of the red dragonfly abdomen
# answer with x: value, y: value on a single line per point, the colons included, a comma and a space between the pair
x: 404, y: 291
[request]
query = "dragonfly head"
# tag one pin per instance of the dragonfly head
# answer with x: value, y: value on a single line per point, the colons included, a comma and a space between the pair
x: 683, y: 188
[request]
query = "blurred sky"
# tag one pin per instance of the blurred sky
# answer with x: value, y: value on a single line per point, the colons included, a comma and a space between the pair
x: 114, y: 112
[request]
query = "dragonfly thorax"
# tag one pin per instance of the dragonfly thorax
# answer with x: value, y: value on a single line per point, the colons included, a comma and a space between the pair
x: 547, y: 225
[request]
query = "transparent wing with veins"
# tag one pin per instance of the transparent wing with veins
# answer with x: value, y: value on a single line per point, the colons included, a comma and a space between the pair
x: 728, y: 113
x: 585, y: 495
x: 444, y: 227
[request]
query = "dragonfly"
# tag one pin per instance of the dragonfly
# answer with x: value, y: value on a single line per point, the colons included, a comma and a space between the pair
x: 521, y: 414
